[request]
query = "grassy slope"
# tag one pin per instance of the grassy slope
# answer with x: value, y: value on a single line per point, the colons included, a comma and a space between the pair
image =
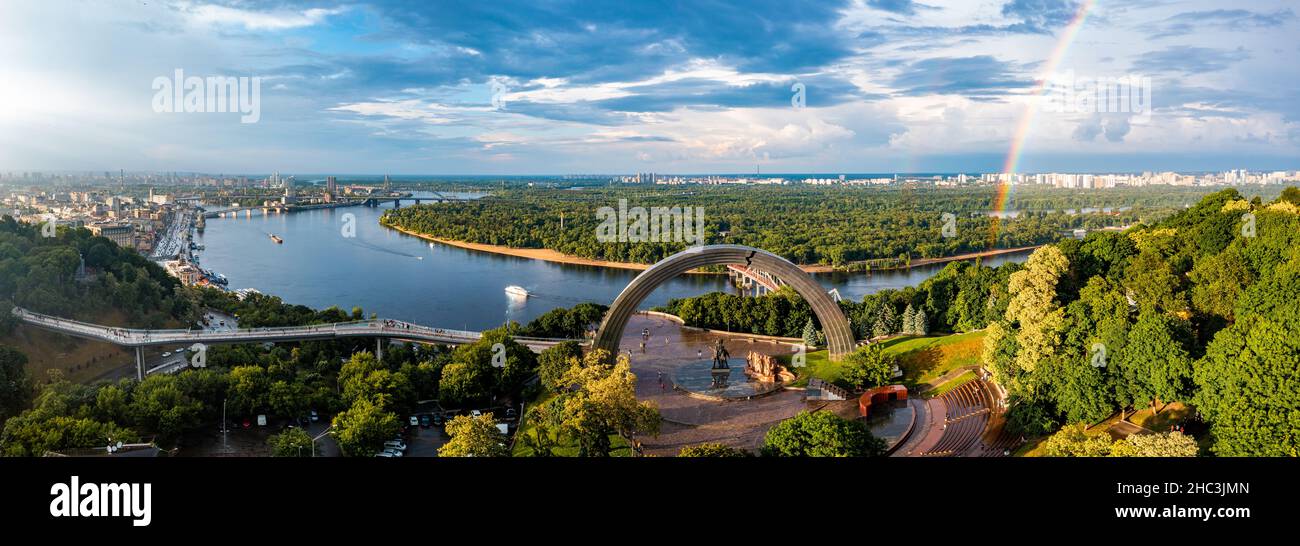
x: 49, y: 351
x: 923, y: 359
x: 80, y: 360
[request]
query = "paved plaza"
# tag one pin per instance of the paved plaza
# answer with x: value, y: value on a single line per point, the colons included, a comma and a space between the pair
x: 689, y: 420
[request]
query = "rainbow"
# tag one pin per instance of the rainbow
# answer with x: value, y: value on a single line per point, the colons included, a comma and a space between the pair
x: 1012, y: 162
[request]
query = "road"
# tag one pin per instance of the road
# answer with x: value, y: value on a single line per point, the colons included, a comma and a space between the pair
x: 172, y: 242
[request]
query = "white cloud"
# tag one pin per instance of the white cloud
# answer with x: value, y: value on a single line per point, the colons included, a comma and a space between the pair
x: 212, y: 14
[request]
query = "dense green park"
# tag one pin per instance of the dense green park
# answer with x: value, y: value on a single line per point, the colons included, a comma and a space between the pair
x: 806, y: 224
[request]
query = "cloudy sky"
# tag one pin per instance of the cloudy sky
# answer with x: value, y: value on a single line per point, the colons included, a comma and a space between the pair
x: 675, y: 87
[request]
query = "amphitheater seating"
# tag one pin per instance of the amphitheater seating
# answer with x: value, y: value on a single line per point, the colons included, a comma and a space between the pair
x: 968, y: 415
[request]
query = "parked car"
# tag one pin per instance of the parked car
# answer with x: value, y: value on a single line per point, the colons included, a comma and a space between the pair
x: 475, y: 413
x: 425, y: 421
x: 394, y: 452
x: 415, y: 421
x: 510, y: 413
x: 437, y: 420
x: 385, y: 454
x: 165, y: 355
x: 314, y: 416
x: 395, y: 444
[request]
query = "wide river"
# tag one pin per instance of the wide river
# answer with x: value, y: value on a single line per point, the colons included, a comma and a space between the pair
x: 403, y: 277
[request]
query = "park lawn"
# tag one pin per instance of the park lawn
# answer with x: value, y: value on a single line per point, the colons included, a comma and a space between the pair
x: 950, y: 384
x: 926, y: 359
x: 922, y: 358
x: 816, y: 364
x: 1174, y: 412
x: 619, y: 446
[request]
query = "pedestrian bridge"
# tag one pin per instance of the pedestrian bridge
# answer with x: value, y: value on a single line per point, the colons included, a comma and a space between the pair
x: 377, y: 328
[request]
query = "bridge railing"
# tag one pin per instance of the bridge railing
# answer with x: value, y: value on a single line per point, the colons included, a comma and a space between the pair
x: 386, y: 327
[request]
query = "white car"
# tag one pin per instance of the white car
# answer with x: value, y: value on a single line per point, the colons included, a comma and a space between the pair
x: 165, y: 355
x: 475, y: 413
x: 393, y: 452
x: 415, y: 421
x: 395, y: 444
x: 384, y: 454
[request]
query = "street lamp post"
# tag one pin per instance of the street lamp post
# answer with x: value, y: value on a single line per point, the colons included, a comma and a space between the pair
x: 319, y: 436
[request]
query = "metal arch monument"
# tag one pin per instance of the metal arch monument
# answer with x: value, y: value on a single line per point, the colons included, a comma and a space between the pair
x: 839, y: 336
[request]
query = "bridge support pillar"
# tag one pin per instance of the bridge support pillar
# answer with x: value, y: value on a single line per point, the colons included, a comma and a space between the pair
x: 139, y: 363
x: 379, y: 350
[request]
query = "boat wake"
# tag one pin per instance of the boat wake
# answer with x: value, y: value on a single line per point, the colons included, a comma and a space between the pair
x: 555, y: 297
x: 377, y: 248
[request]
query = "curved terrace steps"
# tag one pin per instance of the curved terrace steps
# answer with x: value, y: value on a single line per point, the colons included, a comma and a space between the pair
x: 968, y: 408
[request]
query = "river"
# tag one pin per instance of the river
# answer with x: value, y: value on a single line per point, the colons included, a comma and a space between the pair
x: 403, y: 277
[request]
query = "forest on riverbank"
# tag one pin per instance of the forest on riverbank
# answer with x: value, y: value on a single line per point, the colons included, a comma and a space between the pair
x: 842, y: 227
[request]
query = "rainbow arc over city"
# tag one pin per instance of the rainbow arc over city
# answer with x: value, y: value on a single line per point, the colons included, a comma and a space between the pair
x: 1021, y: 134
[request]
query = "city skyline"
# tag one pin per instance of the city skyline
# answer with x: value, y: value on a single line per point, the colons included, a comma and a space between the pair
x: 883, y: 86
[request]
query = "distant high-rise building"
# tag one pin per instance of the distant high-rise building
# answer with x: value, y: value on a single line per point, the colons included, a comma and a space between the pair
x: 387, y: 184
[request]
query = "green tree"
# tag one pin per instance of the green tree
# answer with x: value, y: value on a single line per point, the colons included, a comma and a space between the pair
x: 112, y: 402
x: 869, y: 366
x: 159, y: 405
x: 493, y: 365
x: 555, y: 362
x: 1071, y: 441
x: 364, y: 427
x: 32, y: 434
x: 810, y: 334
x: 885, y: 322
x: 1153, y: 284
x: 998, y: 355
x: 1246, y: 385
x: 909, y: 320
x: 293, y: 442
x: 465, y: 382
x: 1154, y: 361
x: 288, y: 398
x: 15, y: 386
x: 821, y: 434
x: 248, y: 389
x: 1034, y: 306
x: 712, y: 449
x: 1028, y: 416
x: 1161, y: 444
x: 545, y: 421
x: 474, y: 437
x: 1218, y: 281
x: 602, y: 403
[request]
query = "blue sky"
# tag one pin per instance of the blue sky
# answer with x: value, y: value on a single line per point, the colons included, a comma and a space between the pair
x: 406, y: 87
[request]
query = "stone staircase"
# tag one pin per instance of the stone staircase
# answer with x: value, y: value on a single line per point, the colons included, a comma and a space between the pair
x: 821, y: 390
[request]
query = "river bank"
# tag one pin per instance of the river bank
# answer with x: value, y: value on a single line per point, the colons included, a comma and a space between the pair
x: 548, y: 255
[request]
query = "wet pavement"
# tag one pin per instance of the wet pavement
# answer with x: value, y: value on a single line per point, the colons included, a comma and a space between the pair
x: 424, y: 442
x: 250, y: 442
x: 689, y: 420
